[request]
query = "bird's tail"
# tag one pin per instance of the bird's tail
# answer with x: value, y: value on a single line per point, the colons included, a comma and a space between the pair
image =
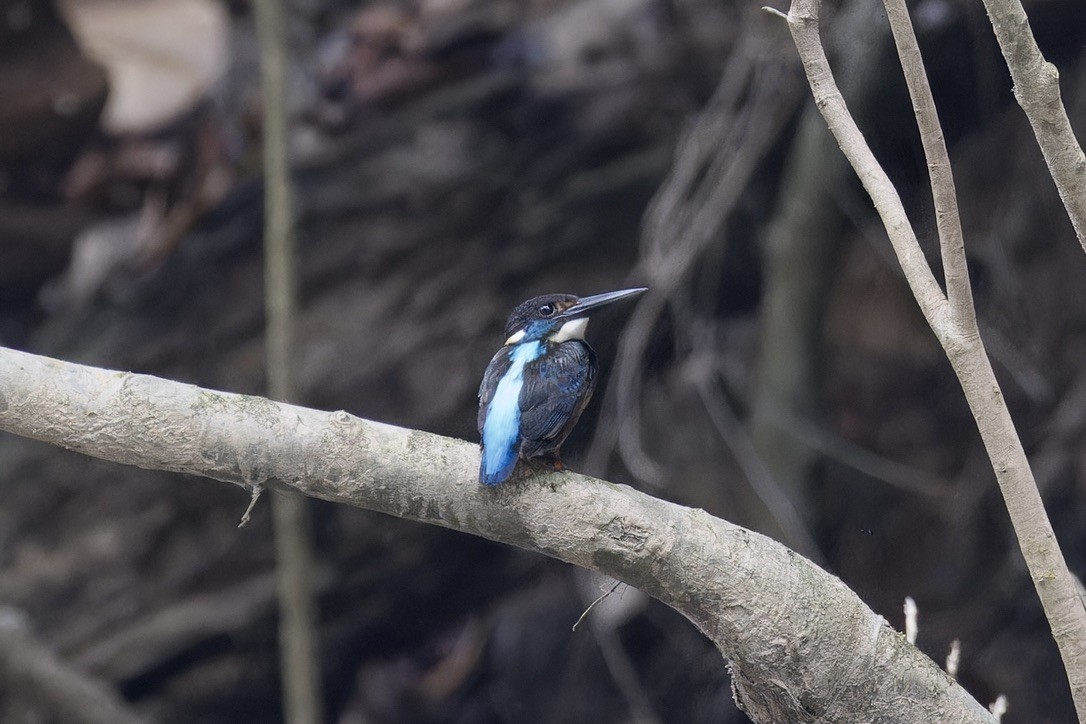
x: 497, y: 465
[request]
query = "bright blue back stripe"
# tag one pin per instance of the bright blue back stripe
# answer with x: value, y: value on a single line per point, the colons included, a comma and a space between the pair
x: 501, y: 431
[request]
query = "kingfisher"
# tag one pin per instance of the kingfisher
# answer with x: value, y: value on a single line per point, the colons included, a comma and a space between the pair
x: 538, y: 384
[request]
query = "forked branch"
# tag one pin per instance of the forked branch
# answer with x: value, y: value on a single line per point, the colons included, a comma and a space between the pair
x: 947, y: 219
x: 953, y: 319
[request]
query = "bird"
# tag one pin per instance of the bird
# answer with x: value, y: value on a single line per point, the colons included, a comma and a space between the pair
x: 539, y: 382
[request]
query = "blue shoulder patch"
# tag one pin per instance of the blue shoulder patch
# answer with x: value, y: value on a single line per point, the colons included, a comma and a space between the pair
x: 501, y: 430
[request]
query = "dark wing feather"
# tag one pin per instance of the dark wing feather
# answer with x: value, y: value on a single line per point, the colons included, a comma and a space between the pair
x: 498, y: 366
x: 556, y: 389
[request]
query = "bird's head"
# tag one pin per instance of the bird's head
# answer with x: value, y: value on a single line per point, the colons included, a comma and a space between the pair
x: 558, y: 317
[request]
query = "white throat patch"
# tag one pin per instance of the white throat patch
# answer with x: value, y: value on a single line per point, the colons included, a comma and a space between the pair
x: 515, y: 337
x: 573, y: 329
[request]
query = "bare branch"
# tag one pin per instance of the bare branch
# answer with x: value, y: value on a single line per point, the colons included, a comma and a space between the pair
x: 803, y: 23
x: 911, y: 627
x: 954, y: 658
x: 947, y: 219
x: 803, y: 647
x: 255, y: 496
x: 961, y: 341
x: 1037, y: 88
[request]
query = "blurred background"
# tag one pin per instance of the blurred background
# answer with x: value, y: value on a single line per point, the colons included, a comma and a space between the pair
x: 453, y: 157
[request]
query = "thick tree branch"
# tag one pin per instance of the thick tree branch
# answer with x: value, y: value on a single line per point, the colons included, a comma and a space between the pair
x: 956, y: 330
x: 1037, y: 88
x: 803, y: 647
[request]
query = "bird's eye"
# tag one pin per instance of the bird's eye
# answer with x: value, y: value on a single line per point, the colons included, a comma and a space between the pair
x: 546, y: 310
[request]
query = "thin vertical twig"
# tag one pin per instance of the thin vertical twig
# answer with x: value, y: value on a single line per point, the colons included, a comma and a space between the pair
x: 294, y: 554
x: 953, y: 658
x: 947, y: 218
x: 911, y: 624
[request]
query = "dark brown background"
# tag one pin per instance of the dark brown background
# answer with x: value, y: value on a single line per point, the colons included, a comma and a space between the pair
x: 452, y: 160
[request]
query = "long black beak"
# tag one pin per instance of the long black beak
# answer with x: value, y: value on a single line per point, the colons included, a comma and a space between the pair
x: 585, y: 305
